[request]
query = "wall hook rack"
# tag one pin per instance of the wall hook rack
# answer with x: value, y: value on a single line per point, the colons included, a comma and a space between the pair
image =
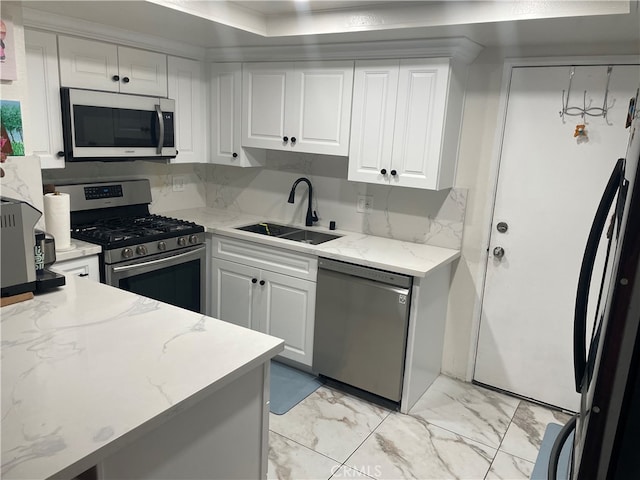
x: 584, y: 110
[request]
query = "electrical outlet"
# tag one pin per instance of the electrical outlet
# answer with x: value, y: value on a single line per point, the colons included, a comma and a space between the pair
x: 178, y: 183
x: 365, y: 204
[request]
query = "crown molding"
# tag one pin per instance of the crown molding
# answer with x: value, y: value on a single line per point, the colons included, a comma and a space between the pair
x: 459, y: 48
x: 32, y: 18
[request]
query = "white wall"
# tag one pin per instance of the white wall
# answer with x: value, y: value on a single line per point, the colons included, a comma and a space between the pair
x: 477, y: 170
x: 22, y: 174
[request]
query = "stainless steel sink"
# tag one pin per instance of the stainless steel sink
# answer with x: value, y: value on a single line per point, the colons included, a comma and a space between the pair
x: 285, y: 232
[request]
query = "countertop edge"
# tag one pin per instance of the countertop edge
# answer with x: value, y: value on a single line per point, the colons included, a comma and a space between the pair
x: 149, y: 425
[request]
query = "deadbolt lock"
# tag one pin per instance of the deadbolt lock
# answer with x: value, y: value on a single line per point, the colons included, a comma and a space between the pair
x: 502, y: 227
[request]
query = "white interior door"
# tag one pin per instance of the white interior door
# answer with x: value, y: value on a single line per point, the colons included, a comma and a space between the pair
x: 549, y: 186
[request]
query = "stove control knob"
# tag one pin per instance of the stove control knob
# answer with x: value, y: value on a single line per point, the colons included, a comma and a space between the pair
x: 162, y: 246
x: 141, y: 250
x: 193, y: 239
x: 127, y: 253
x: 182, y: 241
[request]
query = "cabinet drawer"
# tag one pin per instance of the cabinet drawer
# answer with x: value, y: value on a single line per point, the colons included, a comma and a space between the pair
x: 269, y: 258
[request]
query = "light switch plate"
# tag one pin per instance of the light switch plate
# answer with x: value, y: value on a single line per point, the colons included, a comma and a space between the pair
x: 178, y: 183
x: 365, y: 204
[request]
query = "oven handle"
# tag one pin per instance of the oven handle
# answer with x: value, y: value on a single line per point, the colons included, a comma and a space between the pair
x: 155, y: 262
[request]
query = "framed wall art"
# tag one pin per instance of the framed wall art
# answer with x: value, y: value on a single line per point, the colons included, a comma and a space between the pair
x: 7, y: 50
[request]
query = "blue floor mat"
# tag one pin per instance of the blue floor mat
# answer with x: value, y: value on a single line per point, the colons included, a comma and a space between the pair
x: 542, y: 462
x: 289, y: 386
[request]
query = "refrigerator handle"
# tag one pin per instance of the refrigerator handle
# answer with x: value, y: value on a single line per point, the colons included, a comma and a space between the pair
x: 556, y: 450
x: 586, y: 271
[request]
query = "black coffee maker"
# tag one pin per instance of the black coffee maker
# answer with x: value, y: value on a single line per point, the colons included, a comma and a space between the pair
x: 45, y: 256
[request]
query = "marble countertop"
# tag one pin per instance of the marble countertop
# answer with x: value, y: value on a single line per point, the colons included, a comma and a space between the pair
x: 385, y: 253
x: 88, y: 368
x: 78, y: 249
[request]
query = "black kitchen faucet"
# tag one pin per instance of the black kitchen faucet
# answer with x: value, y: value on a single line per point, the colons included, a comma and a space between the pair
x: 311, y: 216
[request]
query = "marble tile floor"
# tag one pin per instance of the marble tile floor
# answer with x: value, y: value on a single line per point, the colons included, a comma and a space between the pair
x: 456, y: 430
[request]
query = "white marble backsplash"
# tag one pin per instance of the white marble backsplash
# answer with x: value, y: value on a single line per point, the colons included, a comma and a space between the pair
x: 408, y: 214
x: 159, y: 173
x: 22, y: 181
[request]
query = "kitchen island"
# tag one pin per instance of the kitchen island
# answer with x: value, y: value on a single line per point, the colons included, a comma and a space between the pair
x: 96, y: 376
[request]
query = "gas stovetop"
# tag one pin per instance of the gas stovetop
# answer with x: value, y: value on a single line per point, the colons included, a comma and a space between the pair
x: 126, y: 231
x: 116, y: 216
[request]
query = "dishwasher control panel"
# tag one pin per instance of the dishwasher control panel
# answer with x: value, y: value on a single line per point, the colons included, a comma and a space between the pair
x: 369, y: 273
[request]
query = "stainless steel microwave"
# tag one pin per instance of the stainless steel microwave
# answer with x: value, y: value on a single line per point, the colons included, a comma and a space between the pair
x: 114, y: 126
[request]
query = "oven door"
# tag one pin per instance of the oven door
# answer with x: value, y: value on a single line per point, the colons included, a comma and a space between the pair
x: 177, y: 278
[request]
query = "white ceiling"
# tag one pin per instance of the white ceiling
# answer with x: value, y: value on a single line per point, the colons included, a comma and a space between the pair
x: 500, y: 23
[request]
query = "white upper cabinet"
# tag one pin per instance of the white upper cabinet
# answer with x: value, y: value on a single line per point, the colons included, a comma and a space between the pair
x: 187, y: 86
x: 226, y: 115
x: 406, y: 122
x: 44, y: 134
x: 298, y: 106
x: 102, y: 66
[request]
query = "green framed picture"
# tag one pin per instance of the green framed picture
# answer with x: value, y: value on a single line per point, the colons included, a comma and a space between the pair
x: 11, y: 119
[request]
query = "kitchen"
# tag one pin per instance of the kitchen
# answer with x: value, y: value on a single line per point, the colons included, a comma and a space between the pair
x: 397, y: 212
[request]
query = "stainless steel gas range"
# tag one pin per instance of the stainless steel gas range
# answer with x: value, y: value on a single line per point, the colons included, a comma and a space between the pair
x: 159, y: 257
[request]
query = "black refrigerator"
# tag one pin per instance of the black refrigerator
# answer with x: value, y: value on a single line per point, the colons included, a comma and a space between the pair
x: 606, y: 430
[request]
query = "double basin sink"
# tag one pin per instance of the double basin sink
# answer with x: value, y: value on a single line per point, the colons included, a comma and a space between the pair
x: 285, y: 232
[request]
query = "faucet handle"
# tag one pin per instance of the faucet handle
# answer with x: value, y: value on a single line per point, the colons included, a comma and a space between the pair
x: 315, y: 216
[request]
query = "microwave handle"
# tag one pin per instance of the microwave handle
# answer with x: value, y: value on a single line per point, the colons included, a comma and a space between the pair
x: 161, y: 132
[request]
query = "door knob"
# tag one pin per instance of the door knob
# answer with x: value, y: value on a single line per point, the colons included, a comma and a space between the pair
x: 498, y: 252
x: 502, y: 227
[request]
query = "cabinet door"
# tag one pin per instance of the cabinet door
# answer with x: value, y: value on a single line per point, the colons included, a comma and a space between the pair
x: 146, y: 72
x: 374, y: 105
x: 85, y: 267
x: 265, y: 87
x: 419, y: 122
x: 318, y: 111
x: 187, y: 88
x: 43, y: 86
x: 287, y: 309
x: 233, y: 292
x: 226, y: 126
x: 88, y: 64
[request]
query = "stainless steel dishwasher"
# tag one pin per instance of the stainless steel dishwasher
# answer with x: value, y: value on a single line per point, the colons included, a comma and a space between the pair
x: 361, y: 327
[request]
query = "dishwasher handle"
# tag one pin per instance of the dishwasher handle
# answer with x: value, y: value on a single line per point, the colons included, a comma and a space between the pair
x: 329, y: 275
x: 373, y: 274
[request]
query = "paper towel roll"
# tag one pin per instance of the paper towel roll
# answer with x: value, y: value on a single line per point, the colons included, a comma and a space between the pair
x: 57, y: 219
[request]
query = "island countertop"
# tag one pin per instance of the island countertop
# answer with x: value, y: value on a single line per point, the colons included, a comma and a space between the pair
x: 398, y: 256
x: 88, y: 368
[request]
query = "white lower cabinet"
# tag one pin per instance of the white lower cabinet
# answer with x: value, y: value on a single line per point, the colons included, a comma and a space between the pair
x: 82, y: 267
x: 249, y: 294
